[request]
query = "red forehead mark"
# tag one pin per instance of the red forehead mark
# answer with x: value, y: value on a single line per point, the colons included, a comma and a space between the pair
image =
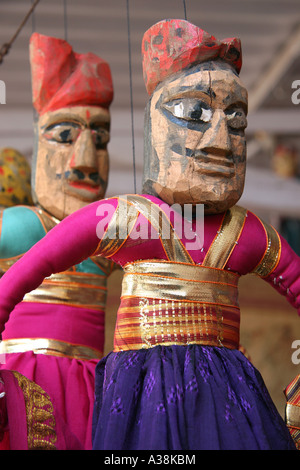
x: 87, y: 114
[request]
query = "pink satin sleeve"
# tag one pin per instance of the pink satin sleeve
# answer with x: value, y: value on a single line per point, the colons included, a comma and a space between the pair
x: 286, y: 276
x: 69, y: 243
x: 252, y: 244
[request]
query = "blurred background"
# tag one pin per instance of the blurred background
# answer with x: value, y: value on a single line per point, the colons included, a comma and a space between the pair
x: 270, y: 35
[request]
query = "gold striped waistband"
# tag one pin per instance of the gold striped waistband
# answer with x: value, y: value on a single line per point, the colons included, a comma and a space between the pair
x: 165, y: 303
x: 144, y: 323
x: 77, y: 289
x: 180, y: 281
x: 49, y: 347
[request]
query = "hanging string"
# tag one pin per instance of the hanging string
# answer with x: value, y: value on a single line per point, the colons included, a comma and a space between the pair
x: 131, y: 99
x: 184, y: 8
x: 6, y: 47
x: 32, y: 19
x: 65, y: 20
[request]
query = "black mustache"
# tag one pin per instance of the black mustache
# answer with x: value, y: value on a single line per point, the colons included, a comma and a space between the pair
x: 78, y: 175
x: 205, y: 158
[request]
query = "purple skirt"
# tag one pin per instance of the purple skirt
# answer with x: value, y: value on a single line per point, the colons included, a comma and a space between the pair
x: 184, y: 398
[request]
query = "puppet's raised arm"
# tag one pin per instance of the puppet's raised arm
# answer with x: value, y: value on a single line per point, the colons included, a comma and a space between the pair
x: 285, y: 278
x: 70, y: 242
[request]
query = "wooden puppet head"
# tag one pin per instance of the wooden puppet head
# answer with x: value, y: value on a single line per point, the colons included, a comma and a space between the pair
x: 195, y: 149
x: 71, y: 95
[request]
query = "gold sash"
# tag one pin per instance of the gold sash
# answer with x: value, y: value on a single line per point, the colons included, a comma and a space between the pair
x: 71, y: 288
x: 49, y: 347
x: 180, y: 281
x: 167, y: 303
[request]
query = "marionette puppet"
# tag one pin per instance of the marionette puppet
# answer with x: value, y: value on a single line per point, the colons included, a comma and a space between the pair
x: 176, y: 379
x: 55, y: 337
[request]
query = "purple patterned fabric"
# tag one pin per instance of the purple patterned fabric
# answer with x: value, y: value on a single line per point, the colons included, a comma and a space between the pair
x: 184, y: 398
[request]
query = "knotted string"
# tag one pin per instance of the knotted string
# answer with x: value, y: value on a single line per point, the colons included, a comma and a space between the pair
x: 6, y: 47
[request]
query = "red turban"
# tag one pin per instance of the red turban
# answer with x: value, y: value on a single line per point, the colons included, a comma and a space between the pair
x: 170, y: 46
x: 63, y: 78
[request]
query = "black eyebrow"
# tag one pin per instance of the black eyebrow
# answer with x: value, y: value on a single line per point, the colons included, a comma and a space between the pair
x: 97, y: 123
x: 237, y: 104
x: 186, y: 92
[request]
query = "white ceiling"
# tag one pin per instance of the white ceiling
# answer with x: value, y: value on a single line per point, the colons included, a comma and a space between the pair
x: 99, y: 26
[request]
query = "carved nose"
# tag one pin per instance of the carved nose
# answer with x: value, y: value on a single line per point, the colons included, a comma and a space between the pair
x: 216, y: 139
x: 84, y: 156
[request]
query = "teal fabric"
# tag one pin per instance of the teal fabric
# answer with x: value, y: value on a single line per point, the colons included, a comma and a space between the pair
x: 21, y: 229
x: 88, y: 266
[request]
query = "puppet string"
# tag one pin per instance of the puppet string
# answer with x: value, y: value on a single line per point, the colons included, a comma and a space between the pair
x: 32, y: 20
x: 6, y: 46
x: 184, y: 8
x: 65, y: 20
x: 131, y: 99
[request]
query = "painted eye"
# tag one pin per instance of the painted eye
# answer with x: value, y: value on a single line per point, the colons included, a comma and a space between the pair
x: 237, y: 119
x: 62, y: 133
x: 100, y: 137
x: 189, y: 109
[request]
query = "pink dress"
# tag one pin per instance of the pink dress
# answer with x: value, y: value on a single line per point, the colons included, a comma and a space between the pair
x: 55, y: 336
x: 176, y: 313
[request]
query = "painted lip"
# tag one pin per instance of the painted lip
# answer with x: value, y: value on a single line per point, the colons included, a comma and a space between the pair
x: 84, y: 186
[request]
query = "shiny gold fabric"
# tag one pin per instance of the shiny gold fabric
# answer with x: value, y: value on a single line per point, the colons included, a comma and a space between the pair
x: 41, y: 424
x: 124, y: 217
x: 48, y: 347
x: 173, y: 246
x: 226, y: 238
x: 180, y: 281
x: 293, y: 415
x: 144, y: 323
x: 80, y: 289
x: 292, y: 410
x: 272, y: 254
x: 177, y: 303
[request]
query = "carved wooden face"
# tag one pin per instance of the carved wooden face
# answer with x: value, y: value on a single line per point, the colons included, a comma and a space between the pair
x: 195, y: 149
x: 71, y: 159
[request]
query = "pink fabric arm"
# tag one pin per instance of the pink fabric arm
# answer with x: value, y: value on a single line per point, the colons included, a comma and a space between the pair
x: 250, y: 249
x: 70, y: 242
x: 286, y: 277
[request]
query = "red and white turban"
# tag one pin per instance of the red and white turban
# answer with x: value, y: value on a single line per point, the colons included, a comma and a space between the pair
x: 170, y: 46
